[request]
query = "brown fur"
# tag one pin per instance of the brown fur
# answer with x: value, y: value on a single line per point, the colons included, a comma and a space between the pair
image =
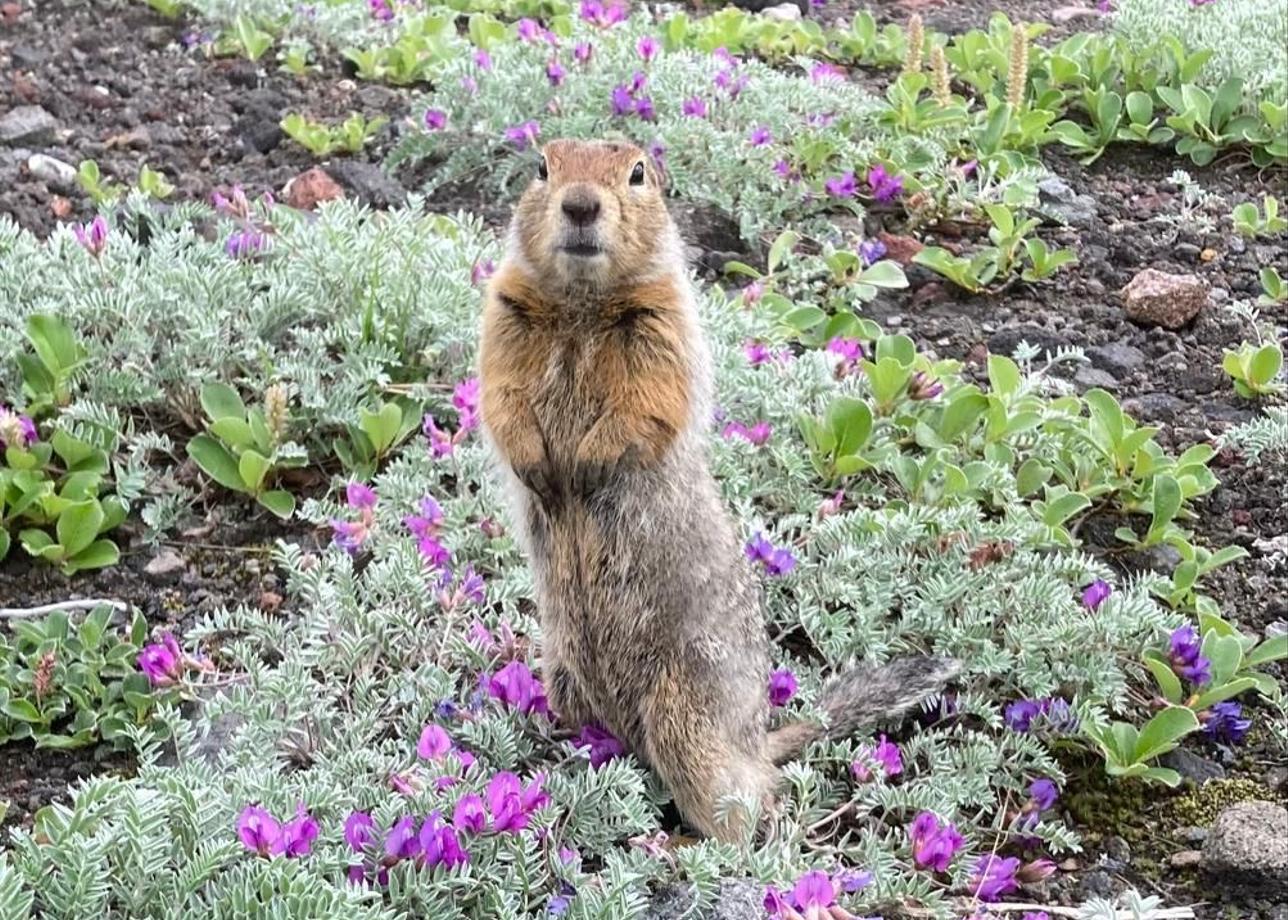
x: 595, y: 398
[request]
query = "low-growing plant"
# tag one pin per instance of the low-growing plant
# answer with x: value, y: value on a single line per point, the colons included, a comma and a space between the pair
x: 67, y: 685
x: 322, y: 140
x: 1273, y: 288
x: 1011, y: 249
x: 248, y: 38
x: 90, y: 179
x: 1255, y: 369
x: 48, y: 374
x: 1251, y: 221
x: 377, y: 432
x: 243, y: 448
x: 1128, y: 750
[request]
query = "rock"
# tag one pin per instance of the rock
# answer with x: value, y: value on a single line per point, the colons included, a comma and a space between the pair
x: 783, y: 12
x: 1162, y: 559
x: 27, y: 124
x: 1088, y: 378
x: 1057, y: 199
x: 27, y: 57
x: 1247, y: 848
x: 758, y: 6
x: 1116, y: 358
x: 736, y: 899
x: 368, y: 183
x: 1098, y: 884
x: 900, y: 249
x: 258, y: 124
x: 1186, y: 859
x: 309, y: 189
x: 1155, y: 407
x: 165, y: 563
x: 1117, y: 849
x: 1069, y: 13
x: 1163, y: 299
x: 1192, y: 766
x: 52, y: 171
x: 1192, y: 834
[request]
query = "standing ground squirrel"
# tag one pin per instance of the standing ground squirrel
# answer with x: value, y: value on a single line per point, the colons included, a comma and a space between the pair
x: 596, y: 397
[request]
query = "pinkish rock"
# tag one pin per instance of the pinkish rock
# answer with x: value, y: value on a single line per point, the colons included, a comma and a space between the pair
x: 309, y: 189
x: 1163, y: 299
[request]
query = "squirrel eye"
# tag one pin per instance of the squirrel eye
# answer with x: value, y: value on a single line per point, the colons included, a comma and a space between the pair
x: 543, y: 172
x: 637, y: 174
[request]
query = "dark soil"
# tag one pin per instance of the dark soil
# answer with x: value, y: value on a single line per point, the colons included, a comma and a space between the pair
x: 125, y: 92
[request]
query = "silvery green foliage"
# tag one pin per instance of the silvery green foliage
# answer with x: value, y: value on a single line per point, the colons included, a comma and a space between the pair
x: 1261, y: 437
x: 1246, y: 37
x: 708, y: 159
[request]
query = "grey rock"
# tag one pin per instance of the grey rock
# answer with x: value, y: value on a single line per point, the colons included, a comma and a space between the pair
x: 1248, y: 848
x: 368, y: 183
x: 1192, y: 766
x: 52, y: 171
x: 1117, y: 358
x: 783, y: 12
x: 27, y: 57
x: 1185, y: 859
x: 736, y: 899
x: 1098, y: 884
x: 1056, y: 190
x: 27, y: 124
x: 1091, y: 377
x: 164, y: 564
x: 1058, y: 200
x: 1117, y: 849
x: 1193, y: 834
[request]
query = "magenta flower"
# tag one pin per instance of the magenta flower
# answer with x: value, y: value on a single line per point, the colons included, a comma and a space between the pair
x: 469, y: 84
x: 439, y: 845
x: 469, y: 814
x: 922, y: 386
x: 299, y: 833
x: 812, y: 896
x: 760, y: 136
x: 402, y: 842
x: 441, y: 441
x: 782, y: 687
x: 994, y: 877
x: 360, y: 496
x: 511, y: 803
x: 759, y: 353
x: 822, y: 72
x: 647, y: 47
x: 1186, y: 658
x: 621, y: 101
x: 849, y: 351
x: 435, y: 120
x: 933, y: 843
x: 162, y: 663
x: 259, y: 831
x: 602, y: 744
x: 786, y: 172
x: 842, y: 186
x: 427, y: 523
x: 515, y: 686
x: 435, y: 554
x: 603, y: 15
x: 774, y: 560
x: 757, y: 435
x: 359, y: 831
x: 529, y: 30
x: 885, y: 187
x: 1095, y: 594
x: 465, y: 397
x: 92, y: 236
x: 524, y: 135
x: 644, y: 108
x: 555, y: 72
x: 246, y: 244
x: 17, y: 431
x: 694, y: 107
x: 871, y: 251
x: 482, y: 60
x: 380, y: 9
x: 405, y: 783
x: 434, y: 743
x: 582, y: 51
x: 482, y: 270
x: 469, y: 587
x: 1224, y: 723
x: 886, y: 754
x: 731, y: 84
x: 831, y: 505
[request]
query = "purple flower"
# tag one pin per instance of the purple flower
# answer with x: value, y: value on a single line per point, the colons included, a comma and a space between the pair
x: 871, y: 251
x: 1055, y: 712
x: 360, y: 496
x: 439, y: 844
x: 922, y: 386
x: 582, y: 51
x: 482, y: 60
x: 435, y: 554
x: 435, y: 120
x: 852, y: 880
x: 886, y: 754
x: 511, y: 804
x: 622, y: 102
x: 694, y: 107
x: 402, y: 842
x: 758, y: 434
x: 603, y: 15
x: 782, y: 687
x: 529, y: 30
x: 469, y: 814
x: 465, y: 397
x: 1225, y: 723
x: 299, y: 833
x: 515, y: 686
x: 1019, y: 715
x: 994, y: 877
x: 752, y: 293
x: 639, y: 80
x: 441, y: 441
x: 469, y: 84
x: 1186, y: 658
x: 359, y: 831
x: 760, y: 136
x: 644, y: 108
x: 482, y: 270
x: 602, y: 744
x: 246, y: 244
x: 850, y: 351
x: 842, y: 186
x: 162, y: 662
x: 259, y: 831
x: 821, y: 119
x: 381, y: 10
x: 426, y: 523
x: 1095, y: 594
x: 555, y: 72
x: 558, y: 904
x: 785, y: 171
x: 774, y: 560
x: 933, y: 843
x: 17, y: 431
x: 759, y: 353
x: 524, y: 135
x: 822, y: 72
x: 1044, y: 794
x: 434, y: 743
x: 813, y: 893
x: 884, y: 186
x: 732, y: 85
x: 92, y: 236
x: 647, y: 47
x: 348, y: 535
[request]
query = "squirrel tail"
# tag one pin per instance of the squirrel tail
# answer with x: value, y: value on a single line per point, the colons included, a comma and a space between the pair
x: 860, y: 697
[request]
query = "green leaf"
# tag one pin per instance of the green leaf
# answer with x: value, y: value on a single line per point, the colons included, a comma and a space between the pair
x: 1164, y: 775
x: 1003, y: 375
x: 1222, y: 692
x: 960, y: 414
x: 1064, y: 507
x: 216, y: 462
x: 1168, y: 683
x: 22, y: 710
x: 1265, y: 364
x: 1273, y: 649
x: 884, y: 274
x: 1166, y: 501
x: 234, y: 430
x: 851, y: 423
x: 253, y: 467
x: 221, y: 401
x: 1226, y: 655
x: 280, y: 503
x: 98, y: 555
x: 1164, y: 731
x: 78, y: 526
x: 780, y: 247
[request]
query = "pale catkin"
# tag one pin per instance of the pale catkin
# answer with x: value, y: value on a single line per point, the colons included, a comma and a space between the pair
x: 939, y: 76
x: 916, y: 44
x: 275, y: 412
x: 1017, y: 78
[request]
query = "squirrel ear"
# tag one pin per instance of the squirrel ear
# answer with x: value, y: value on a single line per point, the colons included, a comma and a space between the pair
x: 657, y: 166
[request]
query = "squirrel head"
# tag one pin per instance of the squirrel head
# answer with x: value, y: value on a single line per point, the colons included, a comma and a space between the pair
x: 595, y: 213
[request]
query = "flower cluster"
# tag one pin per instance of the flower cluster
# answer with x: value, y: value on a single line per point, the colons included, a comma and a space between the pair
x: 16, y: 431
x: 782, y: 687
x: 1053, y: 712
x: 263, y: 834
x: 603, y: 15
x: 774, y: 560
x: 884, y: 187
x: 164, y: 663
x: 886, y: 754
x: 465, y: 399
x: 628, y: 99
x: 1224, y: 723
x: 934, y: 843
x: 523, y: 135
x: 849, y: 352
x: 601, y: 744
x: 1096, y: 594
x: 814, y: 895
x: 251, y: 237
x: 759, y: 353
x: 757, y: 434
x: 92, y: 236
x: 1186, y: 657
x: 350, y: 535
x: 515, y: 686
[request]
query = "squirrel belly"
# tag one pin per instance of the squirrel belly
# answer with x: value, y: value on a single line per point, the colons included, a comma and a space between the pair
x: 595, y: 397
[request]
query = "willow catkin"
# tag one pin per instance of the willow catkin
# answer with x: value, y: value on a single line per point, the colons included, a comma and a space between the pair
x: 916, y: 44
x: 939, y: 76
x: 1018, y: 76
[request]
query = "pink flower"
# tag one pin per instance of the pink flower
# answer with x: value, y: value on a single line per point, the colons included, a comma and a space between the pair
x: 162, y: 663
x: 435, y: 120
x: 822, y: 72
x: 694, y: 107
x: 482, y: 270
x: 555, y: 72
x: 299, y: 833
x: 782, y: 687
x: 603, y: 15
x: 259, y: 831
x: 523, y: 135
x: 842, y: 186
x: 515, y: 686
x: 934, y: 844
x: 465, y: 397
x: 885, y: 754
x: 482, y: 60
x: 647, y: 47
x: 885, y: 187
x: 359, y: 831
x: 757, y: 435
x: 360, y: 496
x: 16, y: 431
x: 582, y: 51
x: 92, y: 236
x: 469, y: 814
x: 760, y: 136
x: 434, y: 743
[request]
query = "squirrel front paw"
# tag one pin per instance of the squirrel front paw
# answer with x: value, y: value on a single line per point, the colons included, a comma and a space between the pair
x: 590, y: 476
x: 537, y: 479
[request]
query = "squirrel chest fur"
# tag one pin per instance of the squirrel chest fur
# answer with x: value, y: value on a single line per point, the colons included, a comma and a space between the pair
x: 595, y: 384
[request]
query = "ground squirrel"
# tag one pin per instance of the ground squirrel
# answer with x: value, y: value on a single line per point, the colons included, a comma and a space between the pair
x: 595, y: 381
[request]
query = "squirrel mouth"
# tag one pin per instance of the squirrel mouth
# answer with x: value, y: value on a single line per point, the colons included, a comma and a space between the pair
x: 581, y: 250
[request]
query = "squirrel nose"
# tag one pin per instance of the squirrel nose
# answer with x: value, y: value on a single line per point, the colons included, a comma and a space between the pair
x: 581, y: 206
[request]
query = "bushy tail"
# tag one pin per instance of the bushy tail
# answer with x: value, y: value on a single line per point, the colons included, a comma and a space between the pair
x: 861, y: 697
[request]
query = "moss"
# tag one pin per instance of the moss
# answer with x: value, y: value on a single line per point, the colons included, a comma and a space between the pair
x: 1199, y: 807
